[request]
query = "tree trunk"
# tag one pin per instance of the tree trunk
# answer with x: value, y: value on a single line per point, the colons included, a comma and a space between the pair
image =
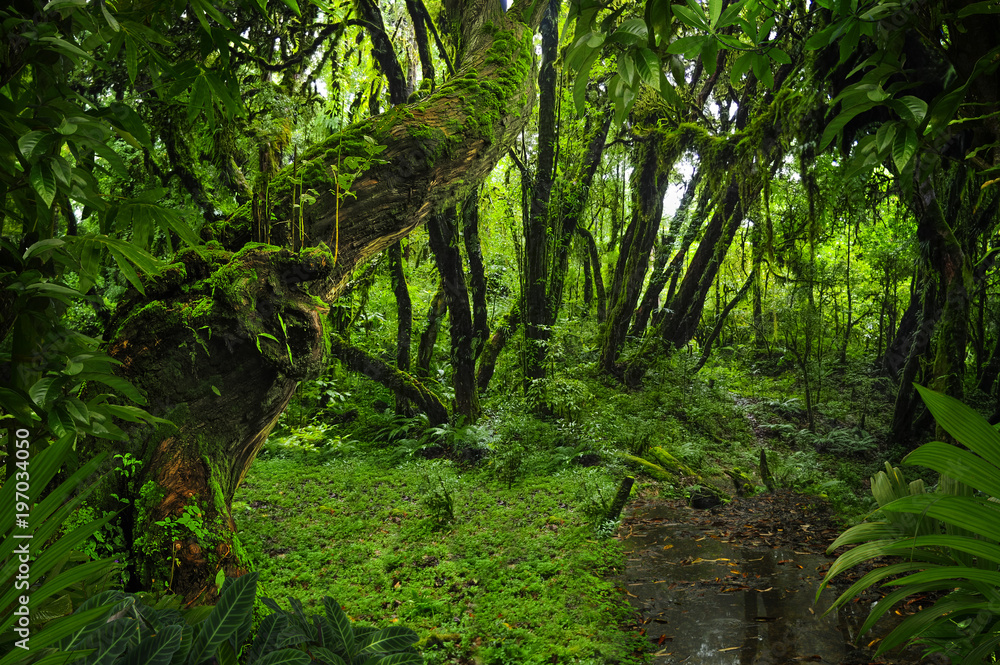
x: 536, y: 235
x: 405, y: 386
x: 477, y: 273
x: 220, y: 345
x: 661, y: 272
x: 496, y: 343
x: 649, y: 187
x: 707, y: 350
x: 443, y: 232
x: 404, y: 318
x: 428, y: 338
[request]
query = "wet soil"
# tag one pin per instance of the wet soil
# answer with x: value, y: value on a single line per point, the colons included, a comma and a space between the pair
x: 736, y: 585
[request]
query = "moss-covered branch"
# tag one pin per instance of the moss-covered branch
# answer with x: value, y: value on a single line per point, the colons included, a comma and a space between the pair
x: 401, y: 383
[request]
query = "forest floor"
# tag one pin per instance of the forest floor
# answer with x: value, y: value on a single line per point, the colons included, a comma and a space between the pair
x: 490, y: 540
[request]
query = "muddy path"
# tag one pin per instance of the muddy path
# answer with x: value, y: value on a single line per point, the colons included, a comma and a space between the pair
x: 736, y: 585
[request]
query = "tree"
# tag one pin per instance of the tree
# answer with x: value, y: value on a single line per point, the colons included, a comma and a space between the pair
x: 219, y: 339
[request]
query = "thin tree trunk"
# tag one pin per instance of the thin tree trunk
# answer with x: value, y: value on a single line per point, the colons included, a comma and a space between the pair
x: 707, y: 349
x: 477, y: 273
x: 443, y: 232
x: 428, y: 338
x: 404, y: 385
x: 404, y: 318
x: 498, y: 340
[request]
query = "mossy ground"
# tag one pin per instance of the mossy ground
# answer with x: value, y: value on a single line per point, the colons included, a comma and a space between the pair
x: 522, y: 570
x: 519, y: 575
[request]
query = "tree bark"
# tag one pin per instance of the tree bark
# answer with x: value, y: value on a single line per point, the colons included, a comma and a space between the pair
x: 428, y: 338
x: 220, y: 344
x: 401, y: 383
x: 477, y: 273
x: 496, y: 344
x: 443, y: 232
x: 649, y: 186
x: 404, y: 318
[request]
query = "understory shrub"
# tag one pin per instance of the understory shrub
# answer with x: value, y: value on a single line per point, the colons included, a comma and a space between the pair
x: 949, y: 540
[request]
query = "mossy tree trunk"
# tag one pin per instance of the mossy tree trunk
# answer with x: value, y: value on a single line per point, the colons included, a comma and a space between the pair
x: 404, y: 317
x: 220, y: 344
x: 650, y: 182
x: 442, y: 230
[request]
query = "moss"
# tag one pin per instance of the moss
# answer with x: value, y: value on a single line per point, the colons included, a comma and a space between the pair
x: 669, y: 462
x: 654, y: 471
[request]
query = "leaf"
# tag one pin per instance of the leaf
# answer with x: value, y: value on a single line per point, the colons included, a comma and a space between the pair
x: 903, y: 148
x: 779, y: 56
x: 648, y: 67
x: 43, y: 180
x: 109, y: 18
x: 393, y: 638
x: 838, y: 123
x: 714, y: 12
x: 632, y: 32
x: 125, y: 117
x: 740, y: 67
x: 688, y: 46
x: 283, y: 656
x: 965, y: 424
x: 32, y: 141
x: 293, y: 5
x: 691, y: 18
x: 914, y: 107
x: 131, y: 59
x: 216, y: 391
x: 343, y: 630
x: 114, y: 382
x: 228, y: 615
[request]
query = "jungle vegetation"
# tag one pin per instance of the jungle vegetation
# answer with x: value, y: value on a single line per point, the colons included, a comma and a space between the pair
x: 478, y: 229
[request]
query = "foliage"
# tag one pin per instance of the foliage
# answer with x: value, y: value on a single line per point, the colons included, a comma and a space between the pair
x: 330, y: 638
x: 57, y: 582
x: 948, y: 539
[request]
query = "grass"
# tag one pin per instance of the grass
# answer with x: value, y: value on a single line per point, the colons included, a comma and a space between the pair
x: 518, y: 576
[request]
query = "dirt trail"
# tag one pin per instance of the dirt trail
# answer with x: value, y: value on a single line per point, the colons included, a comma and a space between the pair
x: 736, y: 585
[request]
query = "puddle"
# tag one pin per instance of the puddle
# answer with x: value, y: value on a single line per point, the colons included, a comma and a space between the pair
x: 709, y: 602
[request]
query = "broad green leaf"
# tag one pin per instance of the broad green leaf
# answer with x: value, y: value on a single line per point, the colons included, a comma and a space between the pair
x: 959, y: 464
x: 343, y: 630
x: 740, y: 67
x: 714, y: 12
x: 393, y: 638
x: 690, y: 17
x: 32, y: 141
x: 109, y: 18
x: 131, y: 58
x: 903, y: 148
x: 837, y: 124
x: 293, y: 5
x: 884, y: 137
x: 284, y: 657
x: 779, y: 56
x: 43, y: 181
x: 710, y: 55
x: 912, y: 108
x: 731, y: 13
x: 126, y: 118
x: 647, y: 64
x: 396, y: 659
x: 114, y: 382
x: 690, y: 47
x: 965, y: 424
x: 582, y: 79
x: 632, y: 32
x: 156, y: 650
x: 228, y: 615
x: 626, y: 68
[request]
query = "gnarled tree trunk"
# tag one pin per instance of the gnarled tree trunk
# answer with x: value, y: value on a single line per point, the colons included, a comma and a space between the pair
x: 220, y: 343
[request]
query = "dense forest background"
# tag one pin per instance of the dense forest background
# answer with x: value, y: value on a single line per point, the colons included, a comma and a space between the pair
x: 506, y: 238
